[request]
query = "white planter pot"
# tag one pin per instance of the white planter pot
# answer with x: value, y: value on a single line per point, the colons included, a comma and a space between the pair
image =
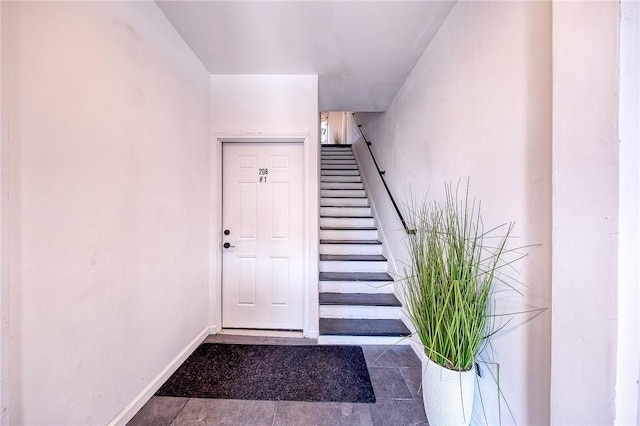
x: 447, y: 394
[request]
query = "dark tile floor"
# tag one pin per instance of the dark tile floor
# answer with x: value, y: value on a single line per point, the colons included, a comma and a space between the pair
x: 395, y: 375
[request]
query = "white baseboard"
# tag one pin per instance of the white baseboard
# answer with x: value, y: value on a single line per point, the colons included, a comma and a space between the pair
x: 260, y: 333
x: 134, y: 406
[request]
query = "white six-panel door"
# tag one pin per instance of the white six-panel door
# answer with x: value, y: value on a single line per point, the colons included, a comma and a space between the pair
x: 262, y: 267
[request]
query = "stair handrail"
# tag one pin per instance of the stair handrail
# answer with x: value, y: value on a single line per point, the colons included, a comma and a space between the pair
x: 381, y: 174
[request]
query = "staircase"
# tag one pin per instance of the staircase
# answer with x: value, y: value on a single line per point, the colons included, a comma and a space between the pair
x: 357, y: 305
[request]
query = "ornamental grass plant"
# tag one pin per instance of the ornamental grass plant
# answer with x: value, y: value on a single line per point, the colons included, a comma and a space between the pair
x: 451, y: 276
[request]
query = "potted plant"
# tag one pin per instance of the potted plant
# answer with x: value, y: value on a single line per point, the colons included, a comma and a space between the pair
x: 448, y: 287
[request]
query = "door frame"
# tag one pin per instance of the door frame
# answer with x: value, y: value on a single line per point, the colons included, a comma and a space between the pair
x: 310, y: 226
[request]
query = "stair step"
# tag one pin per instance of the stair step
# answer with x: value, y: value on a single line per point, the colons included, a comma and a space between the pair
x: 341, y: 178
x: 344, y: 202
x: 350, y: 221
x: 353, y: 266
x: 345, y: 211
x: 338, y: 156
x: 330, y: 146
x: 342, y: 172
x: 332, y: 193
x: 338, y: 167
x: 369, y: 287
x: 363, y: 327
x: 338, y: 161
x: 353, y: 257
x: 341, y: 185
x: 346, y: 247
x: 356, y: 276
x: 359, y: 299
x: 333, y: 233
x: 359, y: 312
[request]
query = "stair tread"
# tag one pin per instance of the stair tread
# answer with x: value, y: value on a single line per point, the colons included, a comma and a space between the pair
x: 359, y: 228
x: 348, y: 228
x: 350, y: 242
x: 359, y: 299
x: 336, y: 145
x: 355, y: 276
x: 337, y: 196
x: 346, y: 217
x: 352, y: 207
x: 353, y: 258
x: 363, y: 327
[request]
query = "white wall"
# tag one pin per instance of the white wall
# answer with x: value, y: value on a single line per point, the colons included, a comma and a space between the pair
x: 585, y: 212
x: 108, y: 243
x: 478, y: 105
x: 353, y: 133
x: 254, y: 107
x: 628, y: 345
x: 4, y: 269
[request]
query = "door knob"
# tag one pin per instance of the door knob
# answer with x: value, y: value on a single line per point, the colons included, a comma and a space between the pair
x: 227, y: 245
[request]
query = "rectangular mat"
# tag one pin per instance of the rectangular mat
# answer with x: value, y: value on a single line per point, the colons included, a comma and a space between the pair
x: 273, y: 372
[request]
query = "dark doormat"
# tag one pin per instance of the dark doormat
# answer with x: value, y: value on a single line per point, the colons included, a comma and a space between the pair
x: 270, y: 372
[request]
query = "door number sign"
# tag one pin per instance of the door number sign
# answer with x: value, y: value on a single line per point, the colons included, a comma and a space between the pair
x: 262, y: 173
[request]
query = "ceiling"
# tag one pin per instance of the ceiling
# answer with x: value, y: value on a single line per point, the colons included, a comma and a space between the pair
x: 362, y: 51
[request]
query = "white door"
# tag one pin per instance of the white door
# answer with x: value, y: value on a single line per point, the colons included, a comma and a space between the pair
x: 262, y: 222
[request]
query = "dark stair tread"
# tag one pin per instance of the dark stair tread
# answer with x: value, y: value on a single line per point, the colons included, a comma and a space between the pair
x: 352, y: 207
x: 355, y: 276
x: 346, y: 217
x: 336, y: 196
x: 359, y: 299
x: 353, y: 257
x: 348, y: 228
x: 350, y: 242
x: 363, y: 327
x: 333, y: 206
x: 336, y: 145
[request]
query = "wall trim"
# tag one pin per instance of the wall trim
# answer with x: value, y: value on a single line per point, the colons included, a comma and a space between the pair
x: 134, y: 406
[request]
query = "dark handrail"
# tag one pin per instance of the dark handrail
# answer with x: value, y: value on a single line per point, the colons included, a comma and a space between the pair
x: 381, y: 174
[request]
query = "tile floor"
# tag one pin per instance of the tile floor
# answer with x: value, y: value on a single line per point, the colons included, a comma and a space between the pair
x: 395, y: 375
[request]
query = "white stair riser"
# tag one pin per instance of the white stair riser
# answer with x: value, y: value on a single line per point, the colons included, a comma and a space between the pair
x: 387, y: 341
x: 338, y: 161
x: 359, y: 312
x: 339, y: 179
x: 368, y: 287
x: 350, y: 234
x: 342, y: 193
x: 352, y: 266
x: 345, y: 211
x: 342, y: 185
x: 344, y: 202
x: 372, y: 249
x: 325, y: 157
x: 339, y: 166
x: 351, y: 222
x: 354, y: 172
